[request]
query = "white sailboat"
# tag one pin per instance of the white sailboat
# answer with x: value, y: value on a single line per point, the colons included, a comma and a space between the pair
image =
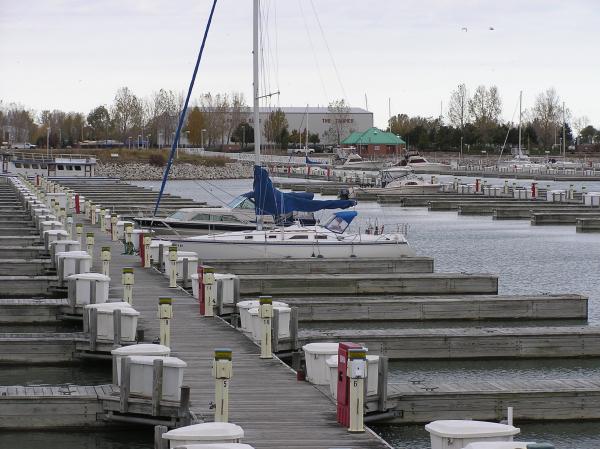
x: 407, y: 183
x: 330, y: 240
x: 520, y: 160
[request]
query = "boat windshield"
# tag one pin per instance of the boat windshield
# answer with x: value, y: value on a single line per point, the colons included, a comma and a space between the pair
x: 178, y: 215
x: 337, y: 224
x: 241, y: 202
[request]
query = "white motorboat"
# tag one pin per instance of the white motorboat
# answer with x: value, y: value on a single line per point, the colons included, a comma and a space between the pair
x: 238, y: 215
x: 562, y: 164
x: 396, y: 171
x: 56, y: 165
x: 418, y: 162
x: 355, y: 162
x: 330, y: 240
x: 299, y: 242
x: 408, y: 183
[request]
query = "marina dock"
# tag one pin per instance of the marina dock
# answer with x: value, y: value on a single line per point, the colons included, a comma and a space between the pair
x: 423, y: 402
x: 265, y: 397
x: 274, y: 409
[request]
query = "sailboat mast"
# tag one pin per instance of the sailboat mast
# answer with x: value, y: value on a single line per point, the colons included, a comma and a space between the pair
x: 520, y: 112
x: 255, y: 55
x: 306, y: 139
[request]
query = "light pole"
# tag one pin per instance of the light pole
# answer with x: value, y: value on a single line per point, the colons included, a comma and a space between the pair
x: 202, y: 139
x: 139, y: 141
x: 48, y: 141
x: 461, y: 147
x: 129, y: 146
x: 187, y: 139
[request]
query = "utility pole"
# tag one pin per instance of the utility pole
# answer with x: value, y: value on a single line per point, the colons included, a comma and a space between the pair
x: 48, y: 141
x: 564, y: 132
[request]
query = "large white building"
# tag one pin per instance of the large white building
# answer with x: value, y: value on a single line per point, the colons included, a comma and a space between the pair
x: 320, y: 120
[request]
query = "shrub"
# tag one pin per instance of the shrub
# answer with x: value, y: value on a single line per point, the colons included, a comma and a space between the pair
x: 157, y: 160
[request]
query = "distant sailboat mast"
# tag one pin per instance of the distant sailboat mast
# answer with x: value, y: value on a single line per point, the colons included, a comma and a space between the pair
x: 520, y: 112
x: 256, y: 111
x: 306, y: 138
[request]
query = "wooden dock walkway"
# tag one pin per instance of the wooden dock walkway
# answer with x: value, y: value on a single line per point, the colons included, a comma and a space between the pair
x: 539, y: 399
x: 427, y: 308
x: 273, y: 408
x: 369, y: 283
x: 314, y: 265
x: 465, y: 343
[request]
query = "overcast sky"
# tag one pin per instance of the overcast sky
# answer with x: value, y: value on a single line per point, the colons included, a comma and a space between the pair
x: 74, y: 55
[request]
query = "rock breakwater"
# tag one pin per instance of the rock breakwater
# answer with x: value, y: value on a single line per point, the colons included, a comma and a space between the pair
x: 143, y: 171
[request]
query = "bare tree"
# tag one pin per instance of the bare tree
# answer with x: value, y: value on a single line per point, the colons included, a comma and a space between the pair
x: 215, y: 109
x: 340, y: 123
x: 458, y: 107
x: 401, y: 125
x: 547, y: 117
x: 485, y: 108
x: 127, y: 112
x: 237, y: 113
x: 275, y: 128
x: 579, y: 123
x: 162, y: 112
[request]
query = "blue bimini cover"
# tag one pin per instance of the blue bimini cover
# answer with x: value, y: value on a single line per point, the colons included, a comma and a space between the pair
x: 270, y: 201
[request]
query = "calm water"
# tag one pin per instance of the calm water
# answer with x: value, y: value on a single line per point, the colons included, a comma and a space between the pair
x: 84, y: 373
x: 529, y: 259
x: 137, y: 438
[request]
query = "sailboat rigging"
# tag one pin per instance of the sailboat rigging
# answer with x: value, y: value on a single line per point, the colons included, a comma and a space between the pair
x: 295, y: 241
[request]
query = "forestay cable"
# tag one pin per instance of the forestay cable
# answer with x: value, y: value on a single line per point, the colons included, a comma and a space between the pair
x: 183, y: 111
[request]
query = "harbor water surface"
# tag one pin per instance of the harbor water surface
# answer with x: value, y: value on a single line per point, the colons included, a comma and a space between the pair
x: 528, y: 259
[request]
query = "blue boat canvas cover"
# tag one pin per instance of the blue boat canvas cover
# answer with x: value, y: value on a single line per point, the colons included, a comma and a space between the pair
x: 271, y: 201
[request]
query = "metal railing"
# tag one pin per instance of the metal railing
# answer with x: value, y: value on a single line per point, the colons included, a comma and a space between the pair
x: 40, y: 157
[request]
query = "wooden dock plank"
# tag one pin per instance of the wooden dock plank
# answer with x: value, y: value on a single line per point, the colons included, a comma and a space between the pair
x: 274, y: 409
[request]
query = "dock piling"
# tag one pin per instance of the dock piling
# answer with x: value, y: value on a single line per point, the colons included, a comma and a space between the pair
x: 113, y: 227
x: 173, y: 266
x: 265, y: 313
x: 209, y: 298
x: 93, y: 327
x: 125, y: 385
x: 186, y: 272
x: 128, y: 280
x: 222, y: 372
x: 147, y: 240
x: 157, y: 386
x: 382, y: 383
x: 165, y: 313
x: 89, y: 240
x: 159, y: 441
x: 117, y: 327
x: 105, y: 256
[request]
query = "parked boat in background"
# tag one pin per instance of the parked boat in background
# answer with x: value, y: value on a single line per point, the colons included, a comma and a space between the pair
x: 238, y: 215
x: 406, y: 184
x: 58, y: 165
x: 418, y: 162
x: 355, y: 162
x: 299, y: 242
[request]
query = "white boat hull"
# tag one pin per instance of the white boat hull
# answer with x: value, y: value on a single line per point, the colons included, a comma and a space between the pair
x: 419, y: 189
x: 216, y: 249
x: 431, y: 167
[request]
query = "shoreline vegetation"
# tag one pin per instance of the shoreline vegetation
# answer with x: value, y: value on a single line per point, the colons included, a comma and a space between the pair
x: 149, y: 164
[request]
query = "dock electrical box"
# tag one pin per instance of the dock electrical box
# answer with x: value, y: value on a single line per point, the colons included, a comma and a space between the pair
x: 343, y: 383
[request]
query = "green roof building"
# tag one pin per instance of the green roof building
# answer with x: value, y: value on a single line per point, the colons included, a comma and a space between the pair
x: 374, y: 142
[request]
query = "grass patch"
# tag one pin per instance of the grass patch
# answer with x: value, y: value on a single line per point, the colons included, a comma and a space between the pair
x: 151, y: 156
